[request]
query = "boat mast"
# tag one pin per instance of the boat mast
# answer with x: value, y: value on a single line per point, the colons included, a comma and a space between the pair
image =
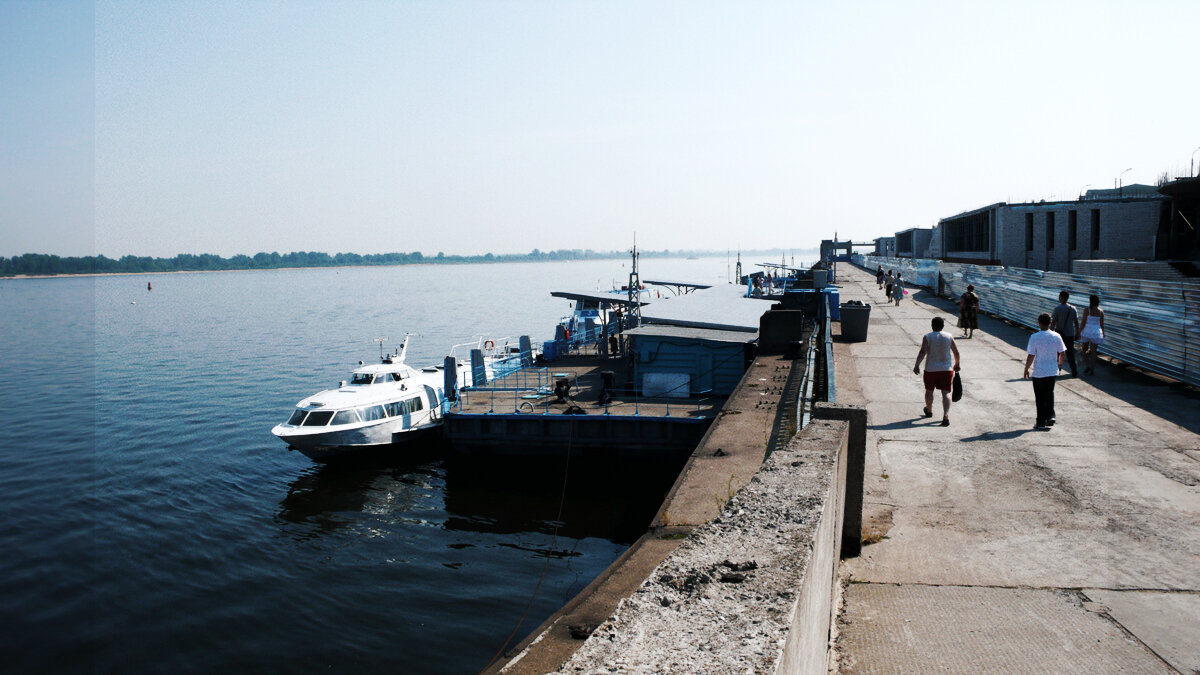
x: 404, y: 347
x: 635, y: 285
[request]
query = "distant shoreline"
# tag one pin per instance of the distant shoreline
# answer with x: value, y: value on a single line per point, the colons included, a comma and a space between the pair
x: 244, y: 269
x: 427, y: 261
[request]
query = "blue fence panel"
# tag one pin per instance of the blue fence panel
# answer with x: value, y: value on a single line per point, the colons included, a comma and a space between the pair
x: 1151, y: 324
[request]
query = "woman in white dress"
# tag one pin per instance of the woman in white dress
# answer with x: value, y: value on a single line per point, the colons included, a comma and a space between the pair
x: 1091, y: 333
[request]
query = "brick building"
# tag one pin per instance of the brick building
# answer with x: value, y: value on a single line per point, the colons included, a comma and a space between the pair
x: 913, y: 242
x: 1134, y: 223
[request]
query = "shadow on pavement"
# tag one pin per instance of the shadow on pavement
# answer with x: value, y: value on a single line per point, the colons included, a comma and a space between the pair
x: 907, y: 424
x: 998, y: 435
x: 1173, y: 401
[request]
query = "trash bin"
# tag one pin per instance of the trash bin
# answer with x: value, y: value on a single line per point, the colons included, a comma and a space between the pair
x: 829, y: 294
x: 855, y: 317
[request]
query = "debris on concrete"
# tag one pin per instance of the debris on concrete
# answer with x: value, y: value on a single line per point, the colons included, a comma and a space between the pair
x: 723, y: 601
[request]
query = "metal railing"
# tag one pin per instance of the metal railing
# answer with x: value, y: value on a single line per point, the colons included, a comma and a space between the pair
x: 1151, y: 324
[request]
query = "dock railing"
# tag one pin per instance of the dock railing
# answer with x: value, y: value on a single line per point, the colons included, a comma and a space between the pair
x: 1154, y: 325
x: 530, y: 391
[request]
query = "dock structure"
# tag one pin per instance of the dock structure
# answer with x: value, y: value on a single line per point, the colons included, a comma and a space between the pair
x: 523, y: 413
x: 986, y: 545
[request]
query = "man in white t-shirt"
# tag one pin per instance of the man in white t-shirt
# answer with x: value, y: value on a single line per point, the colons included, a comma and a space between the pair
x: 1045, y: 355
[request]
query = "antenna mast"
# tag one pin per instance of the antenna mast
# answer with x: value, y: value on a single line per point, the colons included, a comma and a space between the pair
x: 635, y: 285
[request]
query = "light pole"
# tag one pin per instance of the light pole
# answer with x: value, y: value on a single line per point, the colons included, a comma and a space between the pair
x: 1082, y: 189
x: 1121, y: 182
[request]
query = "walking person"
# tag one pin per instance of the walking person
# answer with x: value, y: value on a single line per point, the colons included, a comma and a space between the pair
x: 1091, y: 334
x: 888, y: 283
x: 1044, y: 355
x: 940, y: 354
x: 968, y: 312
x: 879, y: 277
x: 1065, y: 321
x: 898, y: 288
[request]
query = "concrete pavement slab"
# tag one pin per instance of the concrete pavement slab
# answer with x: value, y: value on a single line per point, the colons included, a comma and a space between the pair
x: 1167, y: 623
x: 1108, y: 498
x: 924, y: 629
x: 885, y: 333
x: 875, y: 351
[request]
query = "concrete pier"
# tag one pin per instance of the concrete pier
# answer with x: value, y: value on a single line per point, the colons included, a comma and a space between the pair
x: 998, y: 548
x: 725, y: 460
x: 987, y: 546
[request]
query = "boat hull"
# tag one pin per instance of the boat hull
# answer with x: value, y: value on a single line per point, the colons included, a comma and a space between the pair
x: 339, y: 443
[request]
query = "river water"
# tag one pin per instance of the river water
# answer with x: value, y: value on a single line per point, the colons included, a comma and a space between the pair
x: 152, y: 523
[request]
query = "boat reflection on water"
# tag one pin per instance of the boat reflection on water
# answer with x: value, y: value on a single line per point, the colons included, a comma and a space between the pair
x: 326, y: 498
x: 599, y: 499
x: 444, y: 558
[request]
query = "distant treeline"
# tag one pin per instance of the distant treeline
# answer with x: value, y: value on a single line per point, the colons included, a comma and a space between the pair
x: 40, y: 264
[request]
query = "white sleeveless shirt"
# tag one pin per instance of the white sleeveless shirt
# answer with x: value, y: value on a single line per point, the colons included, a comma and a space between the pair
x: 940, y: 357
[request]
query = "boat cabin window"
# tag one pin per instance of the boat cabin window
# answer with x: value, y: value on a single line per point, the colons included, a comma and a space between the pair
x: 345, y: 417
x: 395, y: 377
x: 406, y: 406
x: 371, y: 413
x: 297, y: 417
x: 318, y: 418
x: 361, y: 378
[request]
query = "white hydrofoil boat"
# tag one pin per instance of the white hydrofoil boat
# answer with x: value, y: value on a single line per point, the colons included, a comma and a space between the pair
x: 382, y: 404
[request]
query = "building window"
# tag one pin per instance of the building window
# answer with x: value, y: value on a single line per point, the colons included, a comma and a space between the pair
x: 969, y: 234
x: 1072, y: 230
x: 1095, y: 229
x: 1050, y: 231
x: 1028, y: 231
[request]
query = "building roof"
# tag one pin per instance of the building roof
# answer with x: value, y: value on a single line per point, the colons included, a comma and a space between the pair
x: 1181, y: 187
x: 971, y: 212
x: 1124, y: 192
x: 606, y: 298
x: 709, y: 334
x: 722, y: 307
x: 678, y: 284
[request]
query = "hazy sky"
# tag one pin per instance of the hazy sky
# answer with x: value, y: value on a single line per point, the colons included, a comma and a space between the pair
x: 159, y: 128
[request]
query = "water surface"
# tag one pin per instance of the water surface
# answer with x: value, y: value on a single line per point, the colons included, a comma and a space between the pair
x: 154, y: 524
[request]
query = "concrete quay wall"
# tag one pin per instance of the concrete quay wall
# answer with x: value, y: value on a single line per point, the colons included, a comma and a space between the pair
x: 737, y: 571
x: 751, y: 590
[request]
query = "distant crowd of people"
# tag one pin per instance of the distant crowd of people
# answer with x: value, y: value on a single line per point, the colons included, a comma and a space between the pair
x: 1045, y: 352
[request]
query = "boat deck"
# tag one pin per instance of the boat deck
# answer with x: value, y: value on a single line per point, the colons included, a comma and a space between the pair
x: 530, y: 391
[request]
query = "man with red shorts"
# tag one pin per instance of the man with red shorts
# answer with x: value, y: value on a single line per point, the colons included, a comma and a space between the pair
x: 942, y: 361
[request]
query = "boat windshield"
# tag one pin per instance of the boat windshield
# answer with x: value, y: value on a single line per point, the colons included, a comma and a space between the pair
x: 377, y: 378
x: 318, y: 418
x: 297, y: 417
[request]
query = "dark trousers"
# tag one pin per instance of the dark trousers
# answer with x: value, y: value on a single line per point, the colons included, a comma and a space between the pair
x: 1070, y: 343
x: 1043, y: 395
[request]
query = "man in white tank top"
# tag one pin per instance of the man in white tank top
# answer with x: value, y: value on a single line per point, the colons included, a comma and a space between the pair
x: 942, y: 361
